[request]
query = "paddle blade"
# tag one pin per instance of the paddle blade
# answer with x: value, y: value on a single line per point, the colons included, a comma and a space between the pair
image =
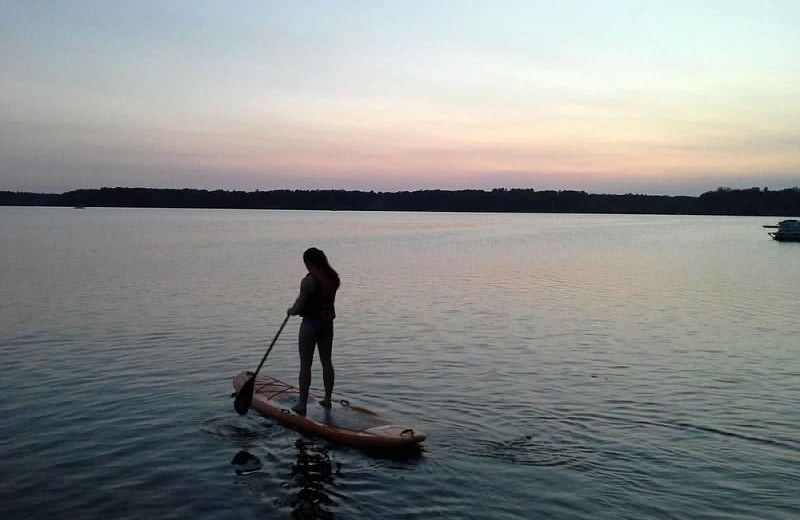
x: 244, y: 397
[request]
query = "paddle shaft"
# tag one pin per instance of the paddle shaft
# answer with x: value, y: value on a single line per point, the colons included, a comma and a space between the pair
x: 270, y: 346
x: 245, y: 395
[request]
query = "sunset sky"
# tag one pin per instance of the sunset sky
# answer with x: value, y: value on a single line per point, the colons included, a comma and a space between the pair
x: 615, y: 96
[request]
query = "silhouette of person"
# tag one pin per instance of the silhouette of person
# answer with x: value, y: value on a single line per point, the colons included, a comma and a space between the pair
x: 315, y: 304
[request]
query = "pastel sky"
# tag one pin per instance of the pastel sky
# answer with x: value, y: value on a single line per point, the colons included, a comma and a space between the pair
x: 615, y: 96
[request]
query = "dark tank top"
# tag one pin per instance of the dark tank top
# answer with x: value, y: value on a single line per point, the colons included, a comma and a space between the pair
x: 320, y: 304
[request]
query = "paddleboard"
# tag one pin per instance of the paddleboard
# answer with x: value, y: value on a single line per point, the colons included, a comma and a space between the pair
x: 342, y: 422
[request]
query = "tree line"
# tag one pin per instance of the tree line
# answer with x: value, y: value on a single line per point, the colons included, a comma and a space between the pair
x: 722, y: 201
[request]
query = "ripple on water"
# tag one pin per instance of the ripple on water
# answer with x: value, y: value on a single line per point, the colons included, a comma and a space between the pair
x: 239, y: 429
x: 548, y: 444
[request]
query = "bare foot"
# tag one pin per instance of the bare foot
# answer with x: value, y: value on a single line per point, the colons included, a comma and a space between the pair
x: 299, y: 409
x: 325, y: 403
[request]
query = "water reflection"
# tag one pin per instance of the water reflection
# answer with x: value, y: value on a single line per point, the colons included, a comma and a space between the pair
x: 312, y: 474
x: 245, y: 463
x: 411, y: 453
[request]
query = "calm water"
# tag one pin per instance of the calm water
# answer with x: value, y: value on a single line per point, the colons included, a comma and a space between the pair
x: 564, y: 366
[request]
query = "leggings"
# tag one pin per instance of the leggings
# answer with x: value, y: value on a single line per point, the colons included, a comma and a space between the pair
x: 319, y: 334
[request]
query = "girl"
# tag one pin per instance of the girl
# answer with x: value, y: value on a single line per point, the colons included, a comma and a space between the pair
x: 315, y: 304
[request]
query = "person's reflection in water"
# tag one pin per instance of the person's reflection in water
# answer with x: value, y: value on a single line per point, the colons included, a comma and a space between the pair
x: 311, y: 473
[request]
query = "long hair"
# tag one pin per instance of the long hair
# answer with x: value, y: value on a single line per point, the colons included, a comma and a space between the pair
x: 316, y: 260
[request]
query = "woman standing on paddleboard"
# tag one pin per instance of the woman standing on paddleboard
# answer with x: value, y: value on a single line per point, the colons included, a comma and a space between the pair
x: 315, y: 304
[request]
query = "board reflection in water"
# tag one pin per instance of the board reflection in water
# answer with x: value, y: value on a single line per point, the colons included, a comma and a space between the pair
x: 312, y: 474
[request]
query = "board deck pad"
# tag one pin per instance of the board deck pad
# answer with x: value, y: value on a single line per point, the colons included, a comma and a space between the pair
x: 339, y: 414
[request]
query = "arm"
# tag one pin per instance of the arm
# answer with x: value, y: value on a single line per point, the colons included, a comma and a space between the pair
x: 306, y: 288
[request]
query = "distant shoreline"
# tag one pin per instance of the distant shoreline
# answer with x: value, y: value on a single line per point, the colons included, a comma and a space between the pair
x: 723, y: 201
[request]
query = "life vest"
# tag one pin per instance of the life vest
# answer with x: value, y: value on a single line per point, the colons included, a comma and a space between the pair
x: 320, y: 303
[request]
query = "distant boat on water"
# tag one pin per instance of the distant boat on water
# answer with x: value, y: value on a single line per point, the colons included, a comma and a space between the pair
x: 79, y: 207
x: 787, y: 231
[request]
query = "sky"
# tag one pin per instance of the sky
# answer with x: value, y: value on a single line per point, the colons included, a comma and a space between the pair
x: 613, y: 96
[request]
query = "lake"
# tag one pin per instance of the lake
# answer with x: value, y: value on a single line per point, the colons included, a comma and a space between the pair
x: 563, y: 366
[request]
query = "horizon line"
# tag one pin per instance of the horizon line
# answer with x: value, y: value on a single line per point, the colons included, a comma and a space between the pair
x: 485, y: 190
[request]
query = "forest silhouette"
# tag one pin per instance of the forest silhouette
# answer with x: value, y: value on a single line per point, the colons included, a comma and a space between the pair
x: 722, y: 201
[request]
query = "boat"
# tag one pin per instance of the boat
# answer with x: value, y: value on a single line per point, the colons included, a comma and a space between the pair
x: 787, y: 231
x: 342, y: 423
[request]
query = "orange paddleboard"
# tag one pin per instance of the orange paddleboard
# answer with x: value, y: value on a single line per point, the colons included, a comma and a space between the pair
x: 341, y: 423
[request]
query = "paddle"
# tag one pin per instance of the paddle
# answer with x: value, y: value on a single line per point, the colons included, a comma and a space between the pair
x: 245, y: 395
